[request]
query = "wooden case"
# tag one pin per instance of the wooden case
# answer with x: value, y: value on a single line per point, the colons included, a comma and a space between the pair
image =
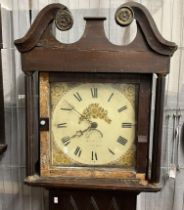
x: 94, y: 58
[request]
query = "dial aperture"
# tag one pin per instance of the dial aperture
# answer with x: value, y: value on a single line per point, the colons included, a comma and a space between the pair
x: 93, y: 123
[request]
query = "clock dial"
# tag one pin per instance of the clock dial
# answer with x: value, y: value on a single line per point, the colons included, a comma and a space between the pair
x: 93, y: 124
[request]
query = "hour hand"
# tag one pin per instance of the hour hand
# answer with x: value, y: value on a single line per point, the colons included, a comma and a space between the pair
x: 67, y: 139
x: 79, y: 133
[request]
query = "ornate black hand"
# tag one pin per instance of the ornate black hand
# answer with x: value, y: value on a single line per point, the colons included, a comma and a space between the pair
x: 75, y: 110
x: 93, y: 125
x: 79, y: 133
x: 66, y: 140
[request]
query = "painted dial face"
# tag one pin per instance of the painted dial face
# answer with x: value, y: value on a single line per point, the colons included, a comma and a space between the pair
x: 93, y: 124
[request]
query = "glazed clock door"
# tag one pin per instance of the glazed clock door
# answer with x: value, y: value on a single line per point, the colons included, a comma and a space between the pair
x: 92, y: 124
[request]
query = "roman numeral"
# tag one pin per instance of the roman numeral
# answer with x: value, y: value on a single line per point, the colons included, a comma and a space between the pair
x: 111, y: 151
x: 127, y: 125
x: 94, y: 92
x: 78, y: 151
x: 122, y: 108
x: 66, y: 109
x: 122, y: 140
x: 94, y: 156
x: 77, y: 96
x: 62, y: 125
x: 66, y: 140
x: 110, y: 97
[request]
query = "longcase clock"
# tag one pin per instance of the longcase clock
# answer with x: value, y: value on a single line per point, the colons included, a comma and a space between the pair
x: 89, y: 109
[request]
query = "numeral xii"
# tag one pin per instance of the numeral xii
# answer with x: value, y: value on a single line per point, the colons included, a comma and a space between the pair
x: 94, y: 92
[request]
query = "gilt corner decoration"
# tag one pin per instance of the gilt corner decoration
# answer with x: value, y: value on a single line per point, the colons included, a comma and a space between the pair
x: 89, y: 128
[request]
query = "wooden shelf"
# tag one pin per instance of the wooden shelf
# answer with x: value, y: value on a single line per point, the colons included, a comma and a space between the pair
x: 90, y: 183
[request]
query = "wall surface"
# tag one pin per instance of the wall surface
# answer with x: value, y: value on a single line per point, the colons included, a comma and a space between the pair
x: 17, y: 15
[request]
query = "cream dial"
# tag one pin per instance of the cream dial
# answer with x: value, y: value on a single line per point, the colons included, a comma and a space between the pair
x: 94, y: 124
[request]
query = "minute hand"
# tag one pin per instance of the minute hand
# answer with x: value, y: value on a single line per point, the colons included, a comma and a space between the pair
x: 74, y: 109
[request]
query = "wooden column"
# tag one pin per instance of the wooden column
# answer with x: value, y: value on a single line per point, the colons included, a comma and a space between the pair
x: 157, y: 138
x: 31, y: 123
